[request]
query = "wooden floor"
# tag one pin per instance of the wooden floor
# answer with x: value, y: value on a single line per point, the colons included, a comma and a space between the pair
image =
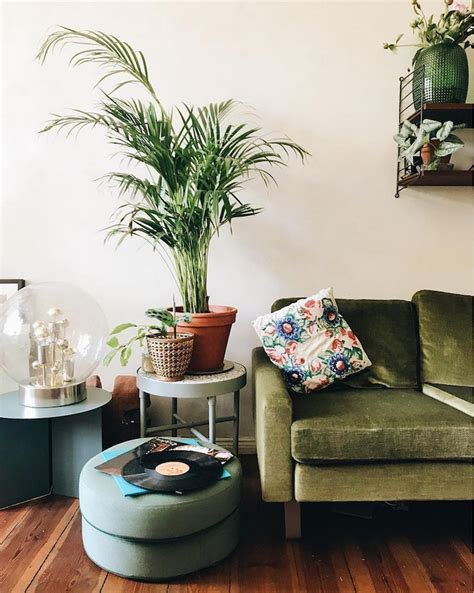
x: 427, y: 549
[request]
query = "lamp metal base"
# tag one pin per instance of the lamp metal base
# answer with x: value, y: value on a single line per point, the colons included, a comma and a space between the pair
x: 34, y: 396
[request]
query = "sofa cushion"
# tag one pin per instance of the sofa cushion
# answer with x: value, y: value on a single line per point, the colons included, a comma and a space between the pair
x: 388, y: 331
x: 446, y: 337
x: 377, y: 424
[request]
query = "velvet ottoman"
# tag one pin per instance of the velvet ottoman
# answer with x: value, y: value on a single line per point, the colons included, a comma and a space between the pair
x: 157, y: 536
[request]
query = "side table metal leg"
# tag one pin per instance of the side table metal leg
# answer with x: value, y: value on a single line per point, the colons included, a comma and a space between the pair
x: 236, y: 422
x: 212, y: 418
x: 174, y: 410
x: 142, y: 413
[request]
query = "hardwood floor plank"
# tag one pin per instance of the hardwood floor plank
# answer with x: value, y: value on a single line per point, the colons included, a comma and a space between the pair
x: 215, y: 579
x: 115, y: 584
x: 446, y: 570
x: 10, y: 519
x: 67, y: 568
x: 296, y: 567
x: 464, y: 553
x: 324, y: 565
x: 410, y: 565
x: 344, y: 579
x: 23, y: 553
x: 357, y: 566
x: 383, y: 568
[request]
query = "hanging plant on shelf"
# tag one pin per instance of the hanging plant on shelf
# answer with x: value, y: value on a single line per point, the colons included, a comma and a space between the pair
x: 432, y: 140
x: 198, y: 161
x: 441, y: 73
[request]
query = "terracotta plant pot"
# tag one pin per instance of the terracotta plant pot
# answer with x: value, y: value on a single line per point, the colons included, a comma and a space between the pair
x: 427, y: 153
x: 211, y: 333
x: 170, y: 356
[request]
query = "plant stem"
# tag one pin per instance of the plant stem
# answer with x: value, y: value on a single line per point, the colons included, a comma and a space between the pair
x: 191, y: 267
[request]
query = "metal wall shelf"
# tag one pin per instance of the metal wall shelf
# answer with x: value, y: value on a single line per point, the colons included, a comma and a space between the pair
x: 434, y: 178
x: 459, y: 113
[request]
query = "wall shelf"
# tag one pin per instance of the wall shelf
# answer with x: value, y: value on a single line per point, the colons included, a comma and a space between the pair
x: 438, y: 178
x: 413, y: 107
x: 459, y: 113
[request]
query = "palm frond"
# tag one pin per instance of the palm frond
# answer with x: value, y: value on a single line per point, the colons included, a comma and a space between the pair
x: 115, y: 57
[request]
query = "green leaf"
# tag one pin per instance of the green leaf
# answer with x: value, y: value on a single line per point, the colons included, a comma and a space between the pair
x: 125, y: 355
x: 444, y: 130
x: 430, y: 125
x: 108, y: 358
x: 446, y: 148
x: 121, y: 327
x: 113, y: 342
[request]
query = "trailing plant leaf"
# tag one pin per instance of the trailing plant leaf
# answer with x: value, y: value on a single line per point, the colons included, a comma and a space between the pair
x: 446, y: 148
x: 444, y: 130
x: 122, y: 327
x: 430, y: 125
x: 113, y: 342
x: 109, y: 357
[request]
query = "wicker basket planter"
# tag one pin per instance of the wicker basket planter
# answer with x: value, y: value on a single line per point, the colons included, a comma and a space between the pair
x: 170, y: 356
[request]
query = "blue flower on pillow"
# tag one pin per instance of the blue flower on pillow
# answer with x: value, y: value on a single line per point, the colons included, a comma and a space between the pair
x: 288, y: 328
x: 339, y: 364
x: 293, y: 376
x: 331, y: 315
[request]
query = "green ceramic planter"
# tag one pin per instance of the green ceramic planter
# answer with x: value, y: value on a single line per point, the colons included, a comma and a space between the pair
x: 445, y: 77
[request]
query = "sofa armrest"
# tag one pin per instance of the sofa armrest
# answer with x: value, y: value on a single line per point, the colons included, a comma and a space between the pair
x: 273, y: 417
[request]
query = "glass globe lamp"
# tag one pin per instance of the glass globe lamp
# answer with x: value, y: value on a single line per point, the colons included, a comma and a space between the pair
x: 52, y: 337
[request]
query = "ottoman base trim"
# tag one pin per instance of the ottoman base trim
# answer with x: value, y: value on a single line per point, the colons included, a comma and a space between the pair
x: 165, y: 559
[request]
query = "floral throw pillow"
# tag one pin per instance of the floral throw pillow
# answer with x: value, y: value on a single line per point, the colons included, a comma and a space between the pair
x: 311, y: 343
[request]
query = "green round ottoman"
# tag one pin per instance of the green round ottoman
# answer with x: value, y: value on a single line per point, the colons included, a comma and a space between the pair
x: 157, y: 536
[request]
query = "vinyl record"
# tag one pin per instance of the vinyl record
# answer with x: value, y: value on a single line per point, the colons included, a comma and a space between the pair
x: 171, y: 471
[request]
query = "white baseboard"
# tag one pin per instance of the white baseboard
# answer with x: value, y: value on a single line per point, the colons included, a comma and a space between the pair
x: 247, y: 445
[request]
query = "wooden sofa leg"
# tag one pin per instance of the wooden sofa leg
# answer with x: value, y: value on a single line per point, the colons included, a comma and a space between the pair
x: 292, y: 520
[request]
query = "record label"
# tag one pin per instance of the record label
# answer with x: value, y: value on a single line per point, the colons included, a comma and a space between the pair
x: 172, y: 468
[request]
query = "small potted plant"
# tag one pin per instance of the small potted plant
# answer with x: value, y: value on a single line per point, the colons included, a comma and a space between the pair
x: 441, y: 73
x: 169, y: 351
x: 433, y: 140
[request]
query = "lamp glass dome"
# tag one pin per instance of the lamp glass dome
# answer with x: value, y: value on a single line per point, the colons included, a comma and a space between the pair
x: 51, y: 335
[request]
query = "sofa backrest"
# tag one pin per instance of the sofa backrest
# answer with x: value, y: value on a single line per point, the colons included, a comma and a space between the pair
x: 388, y: 332
x: 446, y: 337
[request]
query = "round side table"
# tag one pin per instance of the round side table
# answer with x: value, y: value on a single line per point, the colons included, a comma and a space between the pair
x: 42, y: 450
x: 194, y: 386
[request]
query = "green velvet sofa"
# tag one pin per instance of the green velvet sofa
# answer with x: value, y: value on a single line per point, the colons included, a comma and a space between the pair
x: 399, y: 430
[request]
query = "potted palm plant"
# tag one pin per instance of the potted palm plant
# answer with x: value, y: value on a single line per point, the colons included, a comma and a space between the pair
x: 197, y: 158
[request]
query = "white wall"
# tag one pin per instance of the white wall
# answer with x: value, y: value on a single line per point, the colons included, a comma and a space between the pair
x: 315, y: 71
